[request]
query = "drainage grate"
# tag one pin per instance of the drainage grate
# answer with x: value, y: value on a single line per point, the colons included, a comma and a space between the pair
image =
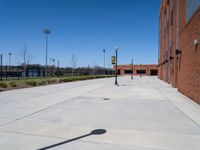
x: 106, y: 99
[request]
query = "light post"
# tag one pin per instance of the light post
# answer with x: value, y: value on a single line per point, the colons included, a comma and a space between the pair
x: 53, y: 60
x: 46, y: 32
x: 132, y: 69
x: 50, y: 59
x: 9, y: 54
x: 116, y: 71
x: 58, y: 70
x: 58, y: 63
x: 1, y: 56
x: 104, y: 59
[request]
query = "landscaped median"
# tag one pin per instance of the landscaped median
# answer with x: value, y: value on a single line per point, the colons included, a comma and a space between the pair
x: 16, y: 84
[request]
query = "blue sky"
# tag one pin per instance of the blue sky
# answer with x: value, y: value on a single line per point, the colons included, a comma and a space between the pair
x: 81, y: 27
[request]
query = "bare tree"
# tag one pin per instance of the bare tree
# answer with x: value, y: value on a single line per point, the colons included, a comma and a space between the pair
x: 73, y: 63
x: 24, y: 57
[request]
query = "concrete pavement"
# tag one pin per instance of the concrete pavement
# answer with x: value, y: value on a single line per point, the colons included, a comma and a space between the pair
x: 140, y: 114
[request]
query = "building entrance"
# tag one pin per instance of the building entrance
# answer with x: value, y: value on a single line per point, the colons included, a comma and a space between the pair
x: 154, y: 72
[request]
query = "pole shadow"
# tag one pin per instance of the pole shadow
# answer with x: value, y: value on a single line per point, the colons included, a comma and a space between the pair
x: 94, y: 132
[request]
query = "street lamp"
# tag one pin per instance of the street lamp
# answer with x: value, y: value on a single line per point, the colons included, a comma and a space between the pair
x: 53, y: 62
x: 50, y: 59
x: 132, y: 69
x: 58, y: 63
x: 46, y: 32
x: 116, y: 71
x: 104, y: 59
x: 1, y: 57
x: 10, y: 54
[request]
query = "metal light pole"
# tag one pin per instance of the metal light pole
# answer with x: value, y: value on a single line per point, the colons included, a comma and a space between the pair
x: 50, y: 59
x: 58, y: 63
x: 53, y: 62
x: 132, y: 69
x: 53, y: 65
x: 116, y: 71
x: 104, y: 57
x: 104, y: 60
x: 46, y: 32
x: 9, y: 54
x: 1, y: 56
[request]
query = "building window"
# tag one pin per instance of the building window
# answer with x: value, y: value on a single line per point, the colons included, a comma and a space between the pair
x: 128, y: 71
x: 153, y: 72
x: 172, y: 17
x: 119, y: 72
x: 192, y: 5
x: 141, y: 71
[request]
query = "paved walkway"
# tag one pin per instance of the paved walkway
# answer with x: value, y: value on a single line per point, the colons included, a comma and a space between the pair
x: 140, y: 114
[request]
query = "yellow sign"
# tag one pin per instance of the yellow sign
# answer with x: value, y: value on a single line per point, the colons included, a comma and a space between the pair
x: 113, y: 60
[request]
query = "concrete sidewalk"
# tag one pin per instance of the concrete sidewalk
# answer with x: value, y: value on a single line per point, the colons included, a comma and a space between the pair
x: 140, y: 114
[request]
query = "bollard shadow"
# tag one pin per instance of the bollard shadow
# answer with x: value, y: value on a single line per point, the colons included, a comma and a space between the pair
x: 94, y: 132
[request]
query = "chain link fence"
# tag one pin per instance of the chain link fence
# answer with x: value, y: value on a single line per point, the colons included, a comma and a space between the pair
x: 36, y: 71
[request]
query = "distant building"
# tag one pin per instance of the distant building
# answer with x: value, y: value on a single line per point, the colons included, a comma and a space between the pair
x: 137, y: 69
x: 179, y: 46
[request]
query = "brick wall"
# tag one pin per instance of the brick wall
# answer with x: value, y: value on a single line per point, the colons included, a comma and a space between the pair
x: 149, y: 69
x: 185, y: 67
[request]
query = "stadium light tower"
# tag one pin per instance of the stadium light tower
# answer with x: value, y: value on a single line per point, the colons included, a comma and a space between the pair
x: 46, y: 32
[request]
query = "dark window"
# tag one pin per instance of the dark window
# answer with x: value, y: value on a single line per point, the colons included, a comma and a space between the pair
x: 119, y: 72
x: 141, y: 71
x: 192, y: 5
x: 154, y: 72
x: 172, y: 17
x: 128, y: 71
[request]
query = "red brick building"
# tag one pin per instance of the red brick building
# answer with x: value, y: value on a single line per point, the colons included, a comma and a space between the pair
x: 137, y: 69
x: 179, y: 46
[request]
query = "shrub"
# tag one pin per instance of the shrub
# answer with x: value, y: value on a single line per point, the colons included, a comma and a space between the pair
x: 68, y: 79
x: 33, y: 83
x: 75, y: 78
x: 3, y: 85
x: 82, y: 78
x: 61, y: 80
x: 13, y: 84
x: 42, y: 83
x: 52, y: 80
